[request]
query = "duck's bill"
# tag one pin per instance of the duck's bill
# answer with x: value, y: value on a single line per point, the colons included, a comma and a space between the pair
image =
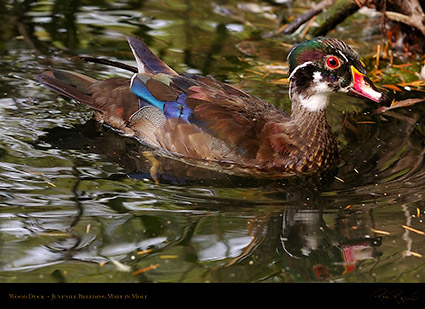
x: 362, y: 86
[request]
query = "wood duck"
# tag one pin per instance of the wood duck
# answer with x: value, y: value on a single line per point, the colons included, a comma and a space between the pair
x: 212, y: 124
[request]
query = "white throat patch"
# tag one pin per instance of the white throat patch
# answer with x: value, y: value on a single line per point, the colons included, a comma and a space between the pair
x: 316, y: 102
x: 319, y: 100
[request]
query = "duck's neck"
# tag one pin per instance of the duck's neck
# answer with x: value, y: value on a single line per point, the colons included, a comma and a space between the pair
x: 317, y: 144
x: 310, y: 112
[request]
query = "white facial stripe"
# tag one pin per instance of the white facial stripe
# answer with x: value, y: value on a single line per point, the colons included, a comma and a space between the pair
x: 342, y: 54
x: 299, y: 67
x: 292, y: 74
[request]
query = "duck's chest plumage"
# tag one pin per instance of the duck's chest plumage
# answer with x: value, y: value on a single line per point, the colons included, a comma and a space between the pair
x: 301, y: 144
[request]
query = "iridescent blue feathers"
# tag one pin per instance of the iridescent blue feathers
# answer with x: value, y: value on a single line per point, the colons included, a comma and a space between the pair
x: 158, y: 90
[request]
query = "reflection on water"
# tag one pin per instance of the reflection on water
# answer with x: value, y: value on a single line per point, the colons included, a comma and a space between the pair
x: 323, y: 252
x: 79, y: 203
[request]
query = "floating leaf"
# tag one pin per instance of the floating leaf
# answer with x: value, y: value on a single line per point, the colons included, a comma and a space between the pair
x: 339, y: 179
x: 281, y: 81
x: 168, y: 256
x: 413, y: 230
x: 380, y: 232
x: 144, y: 251
x: 392, y: 87
x: 411, y: 253
x: 414, y: 84
x: 56, y: 234
x: 144, y: 269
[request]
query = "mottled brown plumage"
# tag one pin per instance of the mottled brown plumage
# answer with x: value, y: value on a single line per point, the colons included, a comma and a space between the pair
x: 209, y: 123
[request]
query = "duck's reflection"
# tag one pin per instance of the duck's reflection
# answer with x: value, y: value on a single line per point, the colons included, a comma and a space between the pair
x: 319, y: 251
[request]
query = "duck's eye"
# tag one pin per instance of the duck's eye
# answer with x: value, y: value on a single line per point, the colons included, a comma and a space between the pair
x: 333, y: 62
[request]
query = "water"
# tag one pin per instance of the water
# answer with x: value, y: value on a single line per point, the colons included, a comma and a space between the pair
x: 77, y: 201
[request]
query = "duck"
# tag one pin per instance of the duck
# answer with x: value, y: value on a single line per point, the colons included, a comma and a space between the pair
x: 209, y: 123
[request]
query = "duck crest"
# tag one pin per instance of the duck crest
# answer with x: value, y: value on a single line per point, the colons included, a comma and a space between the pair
x: 215, y: 125
x: 315, y: 49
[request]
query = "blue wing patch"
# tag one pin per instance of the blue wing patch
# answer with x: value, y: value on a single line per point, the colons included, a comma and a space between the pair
x: 138, y: 87
x: 171, y: 109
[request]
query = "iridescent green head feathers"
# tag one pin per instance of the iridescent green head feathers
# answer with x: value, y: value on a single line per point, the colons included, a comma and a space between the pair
x: 321, y: 66
x: 316, y: 48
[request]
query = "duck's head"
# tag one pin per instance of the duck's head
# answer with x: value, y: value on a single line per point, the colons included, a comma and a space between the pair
x: 321, y: 66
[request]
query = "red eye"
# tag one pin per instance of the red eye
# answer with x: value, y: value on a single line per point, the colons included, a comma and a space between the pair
x: 333, y: 62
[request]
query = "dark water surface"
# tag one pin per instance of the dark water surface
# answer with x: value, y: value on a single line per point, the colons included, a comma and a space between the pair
x: 77, y: 202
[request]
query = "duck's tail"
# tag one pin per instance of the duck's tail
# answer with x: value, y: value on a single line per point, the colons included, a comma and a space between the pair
x: 70, y: 84
x: 77, y: 86
x: 111, y: 99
